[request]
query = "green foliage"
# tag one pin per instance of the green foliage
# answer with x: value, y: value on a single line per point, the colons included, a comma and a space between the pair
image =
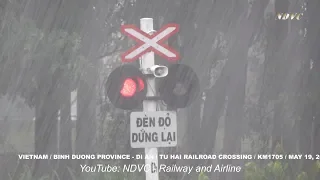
x: 202, y: 176
x: 275, y: 170
x: 302, y: 176
x: 253, y: 172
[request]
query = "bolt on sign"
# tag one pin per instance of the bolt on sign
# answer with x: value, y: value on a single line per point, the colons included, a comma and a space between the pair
x: 153, y: 129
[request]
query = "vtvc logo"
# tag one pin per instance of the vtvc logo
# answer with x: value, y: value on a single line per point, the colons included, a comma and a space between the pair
x: 291, y: 16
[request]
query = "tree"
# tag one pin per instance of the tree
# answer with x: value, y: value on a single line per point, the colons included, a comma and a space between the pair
x: 236, y: 73
x: 35, y: 73
x: 274, y: 71
x: 309, y: 122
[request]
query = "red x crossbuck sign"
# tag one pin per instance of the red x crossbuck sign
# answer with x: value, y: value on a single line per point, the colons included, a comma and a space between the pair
x: 147, y: 43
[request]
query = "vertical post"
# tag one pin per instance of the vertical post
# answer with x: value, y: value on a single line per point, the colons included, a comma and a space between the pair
x: 74, y: 116
x: 58, y: 131
x: 147, y: 60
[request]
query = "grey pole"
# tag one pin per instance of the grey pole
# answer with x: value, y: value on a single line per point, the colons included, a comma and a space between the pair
x: 147, y: 61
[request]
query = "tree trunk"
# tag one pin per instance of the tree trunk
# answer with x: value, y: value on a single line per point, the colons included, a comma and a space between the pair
x: 310, y: 114
x: 276, y: 42
x: 85, y: 125
x: 87, y: 90
x: 46, y: 126
x: 213, y: 108
x: 65, y: 125
x: 237, y: 74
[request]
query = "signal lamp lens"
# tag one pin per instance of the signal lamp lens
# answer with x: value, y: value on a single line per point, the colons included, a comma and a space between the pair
x: 125, y: 87
x: 129, y: 88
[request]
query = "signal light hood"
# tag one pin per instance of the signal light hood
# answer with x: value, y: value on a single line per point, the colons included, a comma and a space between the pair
x: 180, y: 87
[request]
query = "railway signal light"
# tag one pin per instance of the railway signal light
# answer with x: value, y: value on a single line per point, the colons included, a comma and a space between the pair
x: 180, y: 87
x: 126, y: 87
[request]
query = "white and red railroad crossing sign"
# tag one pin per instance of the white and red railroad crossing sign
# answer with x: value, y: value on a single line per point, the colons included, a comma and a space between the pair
x: 147, y: 43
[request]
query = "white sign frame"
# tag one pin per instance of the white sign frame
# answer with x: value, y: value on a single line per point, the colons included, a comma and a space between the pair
x: 156, y: 123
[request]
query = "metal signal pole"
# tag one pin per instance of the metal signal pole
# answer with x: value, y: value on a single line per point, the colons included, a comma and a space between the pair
x: 147, y: 61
